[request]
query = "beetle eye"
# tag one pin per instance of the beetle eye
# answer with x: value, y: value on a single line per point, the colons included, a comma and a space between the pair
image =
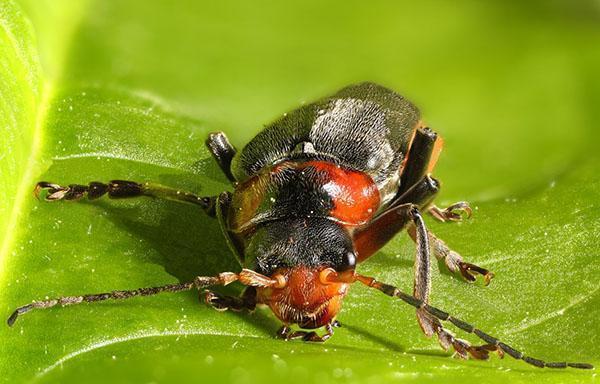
x: 348, y: 261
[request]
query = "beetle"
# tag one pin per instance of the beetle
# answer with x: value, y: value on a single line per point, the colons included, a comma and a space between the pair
x: 315, y: 193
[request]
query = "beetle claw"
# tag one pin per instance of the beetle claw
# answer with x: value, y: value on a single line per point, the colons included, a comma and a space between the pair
x: 469, y: 271
x: 211, y: 298
x: 454, y: 212
x: 55, y: 191
x: 286, y: 333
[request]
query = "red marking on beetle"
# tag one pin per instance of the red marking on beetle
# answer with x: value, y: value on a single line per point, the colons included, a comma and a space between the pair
x: 355, y: 195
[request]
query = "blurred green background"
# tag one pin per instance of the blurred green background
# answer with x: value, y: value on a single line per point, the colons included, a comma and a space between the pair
x: 98, y: 90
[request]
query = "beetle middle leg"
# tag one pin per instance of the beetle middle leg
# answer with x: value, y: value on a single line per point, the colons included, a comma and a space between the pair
x: 120, y: 189
x: 371, y: 238
x: 422, y: 194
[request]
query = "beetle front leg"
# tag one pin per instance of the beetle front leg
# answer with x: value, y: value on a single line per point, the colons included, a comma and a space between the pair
x: 286, y: 333
x: 422, y: 287
x: 247, y: 301
x: 386, y: 225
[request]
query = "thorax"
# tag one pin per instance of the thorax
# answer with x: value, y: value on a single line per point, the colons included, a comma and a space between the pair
x: 303, y: 189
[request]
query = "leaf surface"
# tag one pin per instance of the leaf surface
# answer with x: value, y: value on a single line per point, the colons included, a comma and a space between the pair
x: 129, y: 90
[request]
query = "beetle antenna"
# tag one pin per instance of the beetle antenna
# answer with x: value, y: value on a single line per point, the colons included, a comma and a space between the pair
x: 199, y: 282
x: 246, y: 277
x: 463, y: 347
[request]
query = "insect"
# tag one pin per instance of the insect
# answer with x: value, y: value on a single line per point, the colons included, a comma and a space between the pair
x: 316, y: 193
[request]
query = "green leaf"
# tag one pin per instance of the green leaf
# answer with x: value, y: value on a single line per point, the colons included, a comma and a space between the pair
x: 129, y: 90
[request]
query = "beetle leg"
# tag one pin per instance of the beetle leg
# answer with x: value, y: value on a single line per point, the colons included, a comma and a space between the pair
x: 453, y: 260
x: 287, y: 333
x: 222, y: 151
x: 386, y: 225
x: 119, y: 189
x: 246, y: 277
x: 395, y: 220
x: 247, y: 301
x: 422, y: 280
x: 454, y: 212
x: 462, y: 347
x: 418, y: 158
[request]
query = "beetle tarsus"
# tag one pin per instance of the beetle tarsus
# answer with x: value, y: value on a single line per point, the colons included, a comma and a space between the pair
x: 94, y: 190
x: 223, y: 303
x: 119, y: 189
x: 18, y: 312
x: 455, y: 212
x: 286, y: 333
x: 453, y: 260
x: 54, y: 191
x: 468, y: 271
x: 462, y: 348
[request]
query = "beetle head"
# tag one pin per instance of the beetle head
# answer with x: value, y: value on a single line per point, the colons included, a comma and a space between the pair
x: 304, y: 297
x: 297, y: 251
